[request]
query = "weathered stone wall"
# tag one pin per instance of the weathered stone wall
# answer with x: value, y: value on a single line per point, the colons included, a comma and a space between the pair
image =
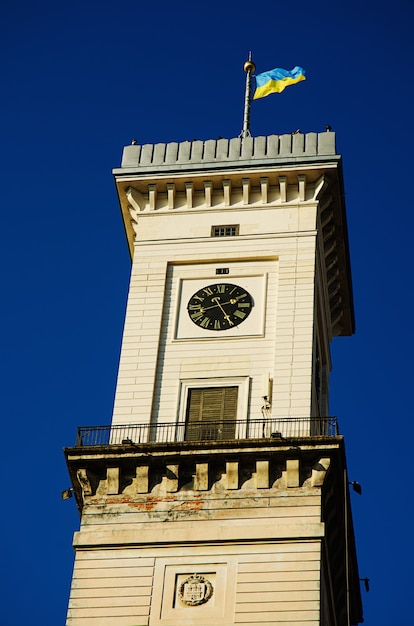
x: 253, y: 530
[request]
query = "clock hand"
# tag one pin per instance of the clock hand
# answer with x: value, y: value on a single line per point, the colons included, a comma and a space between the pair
x: 206, y: 308
x: 226, y: 316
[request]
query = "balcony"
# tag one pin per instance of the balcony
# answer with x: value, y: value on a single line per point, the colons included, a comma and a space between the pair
x: 224, y: 431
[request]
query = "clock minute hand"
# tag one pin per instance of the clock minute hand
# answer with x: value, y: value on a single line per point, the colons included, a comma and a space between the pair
x: 206, y: 308
x: 226, y: 316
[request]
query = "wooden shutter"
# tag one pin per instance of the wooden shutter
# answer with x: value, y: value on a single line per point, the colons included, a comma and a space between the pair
x: 211, y: 413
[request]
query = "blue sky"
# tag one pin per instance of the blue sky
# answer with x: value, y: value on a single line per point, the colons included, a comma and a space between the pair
x: 82, y: 79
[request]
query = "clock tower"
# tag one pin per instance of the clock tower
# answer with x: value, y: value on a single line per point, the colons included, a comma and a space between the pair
x: 219, y: 492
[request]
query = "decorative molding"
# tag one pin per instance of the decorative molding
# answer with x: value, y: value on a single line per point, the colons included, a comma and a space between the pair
x: 228, y: 192
x: 154, y: 478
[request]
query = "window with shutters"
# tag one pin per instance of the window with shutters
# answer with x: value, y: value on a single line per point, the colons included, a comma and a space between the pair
x: 211, y: 413
x: 213, y: 408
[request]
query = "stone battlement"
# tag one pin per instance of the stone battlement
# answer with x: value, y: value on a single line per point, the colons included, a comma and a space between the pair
x: 184, y: 155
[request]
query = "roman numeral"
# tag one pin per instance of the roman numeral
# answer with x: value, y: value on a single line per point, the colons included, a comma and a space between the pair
x: 208, y: 291
x: 217, y: 325
x: 205, y: 322
x: 221, y: 288
x: 196, y: 316
x: 239, y: 314
x: 244, y: 305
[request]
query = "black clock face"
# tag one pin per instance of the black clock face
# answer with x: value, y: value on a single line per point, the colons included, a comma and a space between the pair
x: 220, y: 307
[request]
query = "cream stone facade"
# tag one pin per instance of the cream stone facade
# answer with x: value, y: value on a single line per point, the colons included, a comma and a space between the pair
x: 278, y: 214
x: 219, y: 492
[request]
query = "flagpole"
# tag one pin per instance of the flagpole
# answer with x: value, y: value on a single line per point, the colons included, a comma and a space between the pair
x: 248, y: 67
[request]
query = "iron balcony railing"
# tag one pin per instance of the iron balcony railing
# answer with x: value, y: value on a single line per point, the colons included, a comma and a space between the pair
x: 229, y: 430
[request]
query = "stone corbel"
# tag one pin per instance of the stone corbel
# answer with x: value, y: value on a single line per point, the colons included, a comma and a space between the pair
x: 232, y: 474
x: 302, y: 187
x: 262, y: 474
x: 142, y: 476
x: 333, y: 277
x: 171, y: 195
x: 326, y: 214
x: 227, y: 191
x: 328, y: 232
x: 292, y: 472
x: 152, y: 191
x: 283, y: 188
x: 246, y: 190
x: 201, y: 477
x: 320, y: 186
x: 172, y: 478
x: 112, y: 476
x: 335, y: 322
x: 84, y: 482
x: 189, y: 192
x: 319, y: 472
x: 208, y: 192
x: 135, y: 199
x: 331, y: 249
x: 134, y: 219
x: 136, y: 203
x: 264, y: 189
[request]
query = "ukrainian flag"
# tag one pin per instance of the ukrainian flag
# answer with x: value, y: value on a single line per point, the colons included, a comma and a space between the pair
x: 275, y: 81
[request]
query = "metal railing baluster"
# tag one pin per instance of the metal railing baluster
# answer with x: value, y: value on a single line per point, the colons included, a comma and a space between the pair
x: 264, y: 428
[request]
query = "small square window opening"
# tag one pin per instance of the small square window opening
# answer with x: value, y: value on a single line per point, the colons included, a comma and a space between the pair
x: 230, y: 230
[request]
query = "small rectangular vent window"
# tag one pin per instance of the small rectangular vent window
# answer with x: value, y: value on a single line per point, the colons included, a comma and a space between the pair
x: 222, y: 270
x: 225, y: 231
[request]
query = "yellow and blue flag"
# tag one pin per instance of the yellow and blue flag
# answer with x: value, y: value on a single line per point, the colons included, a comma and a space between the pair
x: 275, y: 81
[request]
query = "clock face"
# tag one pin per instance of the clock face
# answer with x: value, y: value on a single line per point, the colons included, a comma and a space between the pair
x: 220, y: 306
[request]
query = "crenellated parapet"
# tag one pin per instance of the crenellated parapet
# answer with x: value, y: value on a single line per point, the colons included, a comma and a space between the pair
x: 195, y: 153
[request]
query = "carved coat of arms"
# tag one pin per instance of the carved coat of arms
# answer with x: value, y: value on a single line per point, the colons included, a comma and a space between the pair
x: 195, y: 590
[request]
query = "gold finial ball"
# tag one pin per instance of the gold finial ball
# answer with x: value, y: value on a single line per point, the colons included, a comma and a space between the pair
x: 249, y: 66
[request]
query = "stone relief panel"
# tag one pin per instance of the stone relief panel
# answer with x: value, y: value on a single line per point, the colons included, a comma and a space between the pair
x: 194, y: 590
x: 189, y: 590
